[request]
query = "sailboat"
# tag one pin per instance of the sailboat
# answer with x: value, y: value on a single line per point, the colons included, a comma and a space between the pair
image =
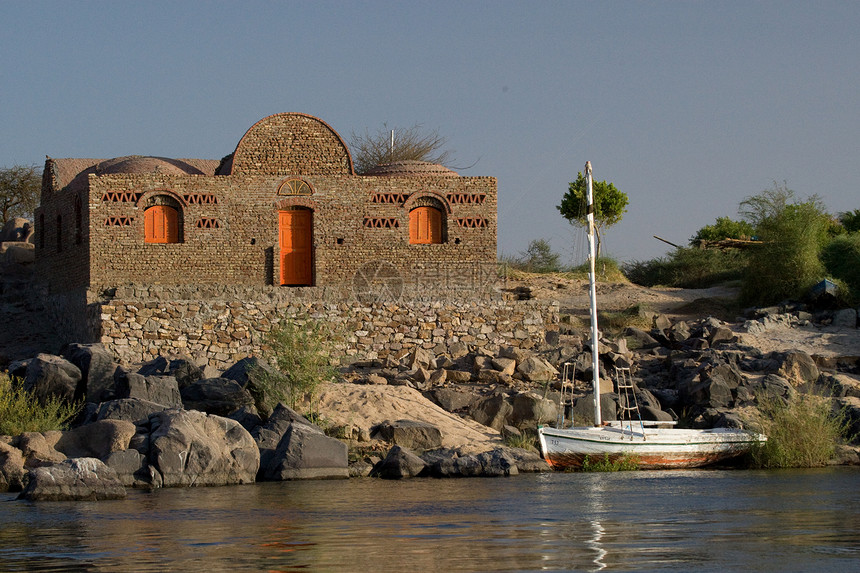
x: 640, y: 442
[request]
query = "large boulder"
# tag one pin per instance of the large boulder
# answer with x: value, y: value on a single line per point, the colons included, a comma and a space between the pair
x: 535, y: 368
x: 493, y: 411
x: 97, y: 368
x: 159, y: 389
x: 306, y: 453
x: 452, y: 399
x: 191, y: 448
x: 409, y: 434
x: 12, y: 472
x: 530, y: 409
x: 797, y: 367
x: 291, y: 447
x: 96, y: 440
x: 400, y: 463
x: 183, y: 369
x: 38, y: 448
x: 248, y: 372
x: 78, y: 479
x: 218, y: 396
x: 51, y: 376
x: 134, y: 410
x: 495, y: 463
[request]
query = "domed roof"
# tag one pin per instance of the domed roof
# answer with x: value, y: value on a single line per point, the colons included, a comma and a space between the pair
x: 145, y: 164
x: 411, y: 168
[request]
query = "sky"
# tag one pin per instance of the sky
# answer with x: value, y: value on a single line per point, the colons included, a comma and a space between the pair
x: 687, y: 107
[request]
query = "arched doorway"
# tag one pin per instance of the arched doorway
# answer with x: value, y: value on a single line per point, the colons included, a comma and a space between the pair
x: 296, y: 239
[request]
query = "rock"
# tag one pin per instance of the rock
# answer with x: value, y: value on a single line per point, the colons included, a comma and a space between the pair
x: 185, y: 371
x: 530, y: 410
x: 291, y: 447
x: 505, y: 365
x: 96, y: 440
x: 642, y: 339
x: 159, y: 389
x: 846, y: 455
x: 535, y: 368
x: 514, y: 353
x: 97, y: 368
x: 457, y: 350
x: 248, y: 417
x: 709, y: 393
x: 452, y: 399
x: 38, y: 448
x: 376, y: 379
x: 527, y: 461
x: 16, y: 230
x: 399, y: 463
x: 437, y: 377
x: 493, y: 411
x: 408, y: 434
x: 78, y: 479
x: 845, y: 318
x: 134, y: 410
x: 493, y: 376
x: 721, y: 335
x: 772, y: 387
x: 582, y: 410
x: 655, y: 414
x: 218, y: 396
x: 306, y: 453
x: 421, y: 358
x: 191, y: 448
x: 131, y: 468
x: 497, y: 463
x: 797, y: 367
x: 12, y: 473
x: 52, y: 376
x: 249, y: 372
x: 458, y: 376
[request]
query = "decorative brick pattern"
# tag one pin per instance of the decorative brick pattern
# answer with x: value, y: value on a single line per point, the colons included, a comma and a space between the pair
x: 472, y: 222
x: 200, y: 199
x: 466, y: 198
x: 379, y: 223
x: 389, y: 198
x: 207, y: 223
x: 119, y: 221
x: 122, y: 196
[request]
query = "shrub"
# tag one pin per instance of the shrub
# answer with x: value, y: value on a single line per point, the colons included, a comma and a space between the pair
x: 606, y: 268
x: 21, y: 412
x: 300, y: 350
x: 724, y: 228
x: 787, y: 262
x: 688, y: 268
x: 841, y: 256
x: 606, y: 464
x: 801, y: 433
x: 540, y: 258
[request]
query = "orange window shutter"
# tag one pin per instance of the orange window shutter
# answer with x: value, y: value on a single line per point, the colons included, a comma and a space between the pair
x: 425, y: 226
x: 161, y: 224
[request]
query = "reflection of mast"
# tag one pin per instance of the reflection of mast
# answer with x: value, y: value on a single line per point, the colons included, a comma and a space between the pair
x: 592, y: 283
x: 595, y: 543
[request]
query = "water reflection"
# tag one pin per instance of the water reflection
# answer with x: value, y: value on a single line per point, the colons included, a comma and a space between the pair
x: 590, y: 522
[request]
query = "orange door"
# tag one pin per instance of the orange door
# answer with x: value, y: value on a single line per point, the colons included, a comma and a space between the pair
x: 296, y: 230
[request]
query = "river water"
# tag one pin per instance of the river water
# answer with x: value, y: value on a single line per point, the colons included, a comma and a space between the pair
x: 803, y: 520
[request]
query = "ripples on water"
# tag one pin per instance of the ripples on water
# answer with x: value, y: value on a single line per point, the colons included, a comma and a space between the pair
x: 633, y: 521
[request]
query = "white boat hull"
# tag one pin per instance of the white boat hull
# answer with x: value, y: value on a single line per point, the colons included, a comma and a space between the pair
x: 651, y: 448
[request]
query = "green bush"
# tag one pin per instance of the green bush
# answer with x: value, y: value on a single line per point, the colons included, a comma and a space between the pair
x: 605, y: 464
x: 688, y: 268
x: 841, y: 258
x: 801, y: 433
x: 787, y: 263
x: 606, y: 268
x: 21, y: 412
x: 724, y: 228
x: 301, y: 351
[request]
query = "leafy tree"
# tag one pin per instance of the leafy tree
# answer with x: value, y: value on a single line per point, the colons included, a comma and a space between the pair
x: 850, y: 220
x: 539, y: 257
x: 610, y: 204
x: 412, y: 143
x: 724, y: 228
x: 20, y: 186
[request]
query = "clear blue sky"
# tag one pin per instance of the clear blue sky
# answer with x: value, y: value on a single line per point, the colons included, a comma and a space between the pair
x: 688, y: 107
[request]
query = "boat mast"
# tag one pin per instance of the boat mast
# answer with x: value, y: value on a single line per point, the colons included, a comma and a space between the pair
x: 592, y: 283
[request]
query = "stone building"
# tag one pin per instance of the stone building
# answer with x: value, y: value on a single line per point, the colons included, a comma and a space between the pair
x: 286, y: 208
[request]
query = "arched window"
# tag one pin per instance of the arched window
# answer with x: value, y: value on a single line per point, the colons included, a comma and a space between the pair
x: 425, y: 226
x: 161, y: 224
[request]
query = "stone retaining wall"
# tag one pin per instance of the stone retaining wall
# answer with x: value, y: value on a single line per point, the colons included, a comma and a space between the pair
x: 217, y: 326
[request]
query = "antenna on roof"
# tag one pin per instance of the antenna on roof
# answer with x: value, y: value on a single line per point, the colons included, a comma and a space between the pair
x: 391, y: 147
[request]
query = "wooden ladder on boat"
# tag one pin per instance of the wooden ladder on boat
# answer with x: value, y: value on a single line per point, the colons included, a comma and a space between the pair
x: 565, y: 401
x: 628, y: 407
